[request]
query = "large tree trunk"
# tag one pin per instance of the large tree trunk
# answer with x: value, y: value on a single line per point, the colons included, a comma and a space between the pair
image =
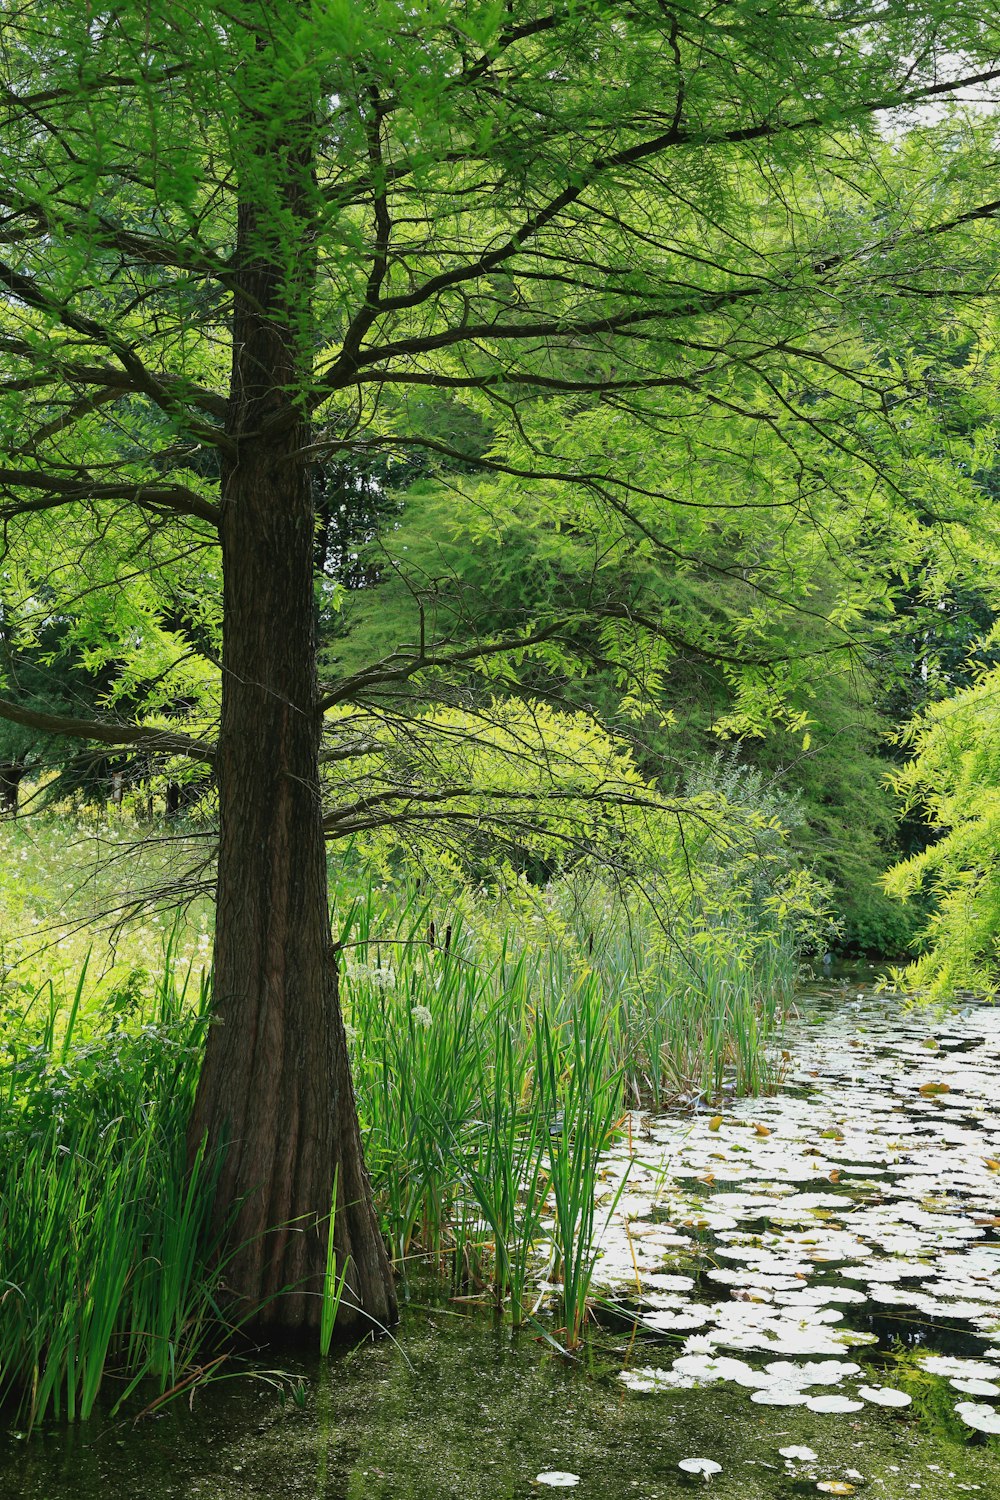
x: 275, y: 1093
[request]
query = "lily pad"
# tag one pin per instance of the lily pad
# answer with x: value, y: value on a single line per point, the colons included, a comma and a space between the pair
x: 706, y: 1467
x: 780, y: 1395
x: 884, y: 1395
x: 981, y: 1417
x: 833, y: 1404
x: 975, y: 1387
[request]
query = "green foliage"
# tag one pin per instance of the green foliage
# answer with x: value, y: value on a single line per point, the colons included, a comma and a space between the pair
x: 954, y: 778
x: 496, y: 1040
x: 78, y: 884
x: 652, y: 343
x: 494, y: 1055
x: 107, y: 1264
x: 647, y: 296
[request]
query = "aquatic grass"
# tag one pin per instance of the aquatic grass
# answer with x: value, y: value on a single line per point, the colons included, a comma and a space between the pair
x: 506, y: 1168
x: 491, y: 1069
x: 106, y: 1264
x: 581, y: 1094
x: 417, y: 1080
x: 333, y: 1283
x: 494, y: 1052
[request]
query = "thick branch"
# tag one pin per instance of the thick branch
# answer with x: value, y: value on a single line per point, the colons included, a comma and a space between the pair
x: 65, y: 490
x: 148, y: 249
x: 26, y: 290
x: 599, y: 168
x: 632, y: 316
x: 105, y: 376
x: 162, y: 740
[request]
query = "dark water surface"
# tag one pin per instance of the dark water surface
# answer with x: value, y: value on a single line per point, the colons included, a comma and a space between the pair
x: 459, y: 1410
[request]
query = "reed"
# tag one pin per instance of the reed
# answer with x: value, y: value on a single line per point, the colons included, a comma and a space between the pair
x: 492, y: 1068
x: 106, y: 1262
x: 334, y: 1282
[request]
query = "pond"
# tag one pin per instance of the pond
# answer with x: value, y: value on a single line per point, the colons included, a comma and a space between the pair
x: 817, y: 1272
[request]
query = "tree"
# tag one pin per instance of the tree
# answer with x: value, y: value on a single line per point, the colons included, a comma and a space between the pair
x: 247, y: 237
x: 952, y: 779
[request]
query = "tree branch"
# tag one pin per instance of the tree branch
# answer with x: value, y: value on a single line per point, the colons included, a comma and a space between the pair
x: 163, y: 740
x: 399, y: 666
x: 26, y: 290
x: 63, y: 490
x: 490, y: 260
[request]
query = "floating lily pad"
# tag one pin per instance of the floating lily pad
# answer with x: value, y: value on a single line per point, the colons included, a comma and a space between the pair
x: 833, y: 1404
x: 975, y: 1387
x: 655, y: 1380
x: 854, y: 1188
x: 884, y: 1395
x: 983, y: 1418
x: 780, y: 1395
x: 706, y: 1467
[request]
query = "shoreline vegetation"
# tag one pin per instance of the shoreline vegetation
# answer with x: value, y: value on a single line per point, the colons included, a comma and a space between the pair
x: 496, y: 1045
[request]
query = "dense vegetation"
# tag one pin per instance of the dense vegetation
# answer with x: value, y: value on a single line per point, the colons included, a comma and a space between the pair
x: 495, y: 1041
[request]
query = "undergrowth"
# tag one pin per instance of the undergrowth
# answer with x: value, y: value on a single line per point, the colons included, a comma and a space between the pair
x: 496, y: 1047
x: 105, y: 1259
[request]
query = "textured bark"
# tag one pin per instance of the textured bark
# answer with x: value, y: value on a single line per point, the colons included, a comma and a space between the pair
x: 275, y: 1092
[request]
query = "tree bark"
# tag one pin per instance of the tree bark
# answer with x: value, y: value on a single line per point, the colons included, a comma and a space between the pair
x: 275, y: 1094
x: 11, y: 774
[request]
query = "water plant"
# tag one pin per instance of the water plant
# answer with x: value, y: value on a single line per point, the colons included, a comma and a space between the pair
x: 105, y: 1253
x: 496, y: 1047
x: 333, y: 1283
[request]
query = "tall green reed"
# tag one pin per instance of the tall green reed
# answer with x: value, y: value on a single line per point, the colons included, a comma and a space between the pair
x: 494, y: 1053
x: 103, y: 1245
x: 582, y: 1093
x: 492, y: 1067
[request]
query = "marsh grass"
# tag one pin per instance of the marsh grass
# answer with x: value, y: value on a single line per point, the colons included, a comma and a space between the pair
x: 496, y: 1048
x: 334, y: 1283
x: 103, y: 1229
x: 494, y: 1068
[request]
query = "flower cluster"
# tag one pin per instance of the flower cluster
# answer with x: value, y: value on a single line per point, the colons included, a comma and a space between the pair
x: 371, y: 974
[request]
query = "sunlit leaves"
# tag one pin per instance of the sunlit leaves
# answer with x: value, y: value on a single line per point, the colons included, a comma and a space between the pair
x: 955, y: 776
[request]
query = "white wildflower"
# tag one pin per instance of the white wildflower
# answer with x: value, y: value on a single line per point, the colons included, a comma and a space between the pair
x: 372, y: 974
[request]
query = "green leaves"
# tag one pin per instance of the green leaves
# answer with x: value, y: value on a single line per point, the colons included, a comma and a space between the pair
x: 954, y: 777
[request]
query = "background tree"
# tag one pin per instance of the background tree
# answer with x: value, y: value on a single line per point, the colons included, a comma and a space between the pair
x: 951, y: 782
x: 249, y: 238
